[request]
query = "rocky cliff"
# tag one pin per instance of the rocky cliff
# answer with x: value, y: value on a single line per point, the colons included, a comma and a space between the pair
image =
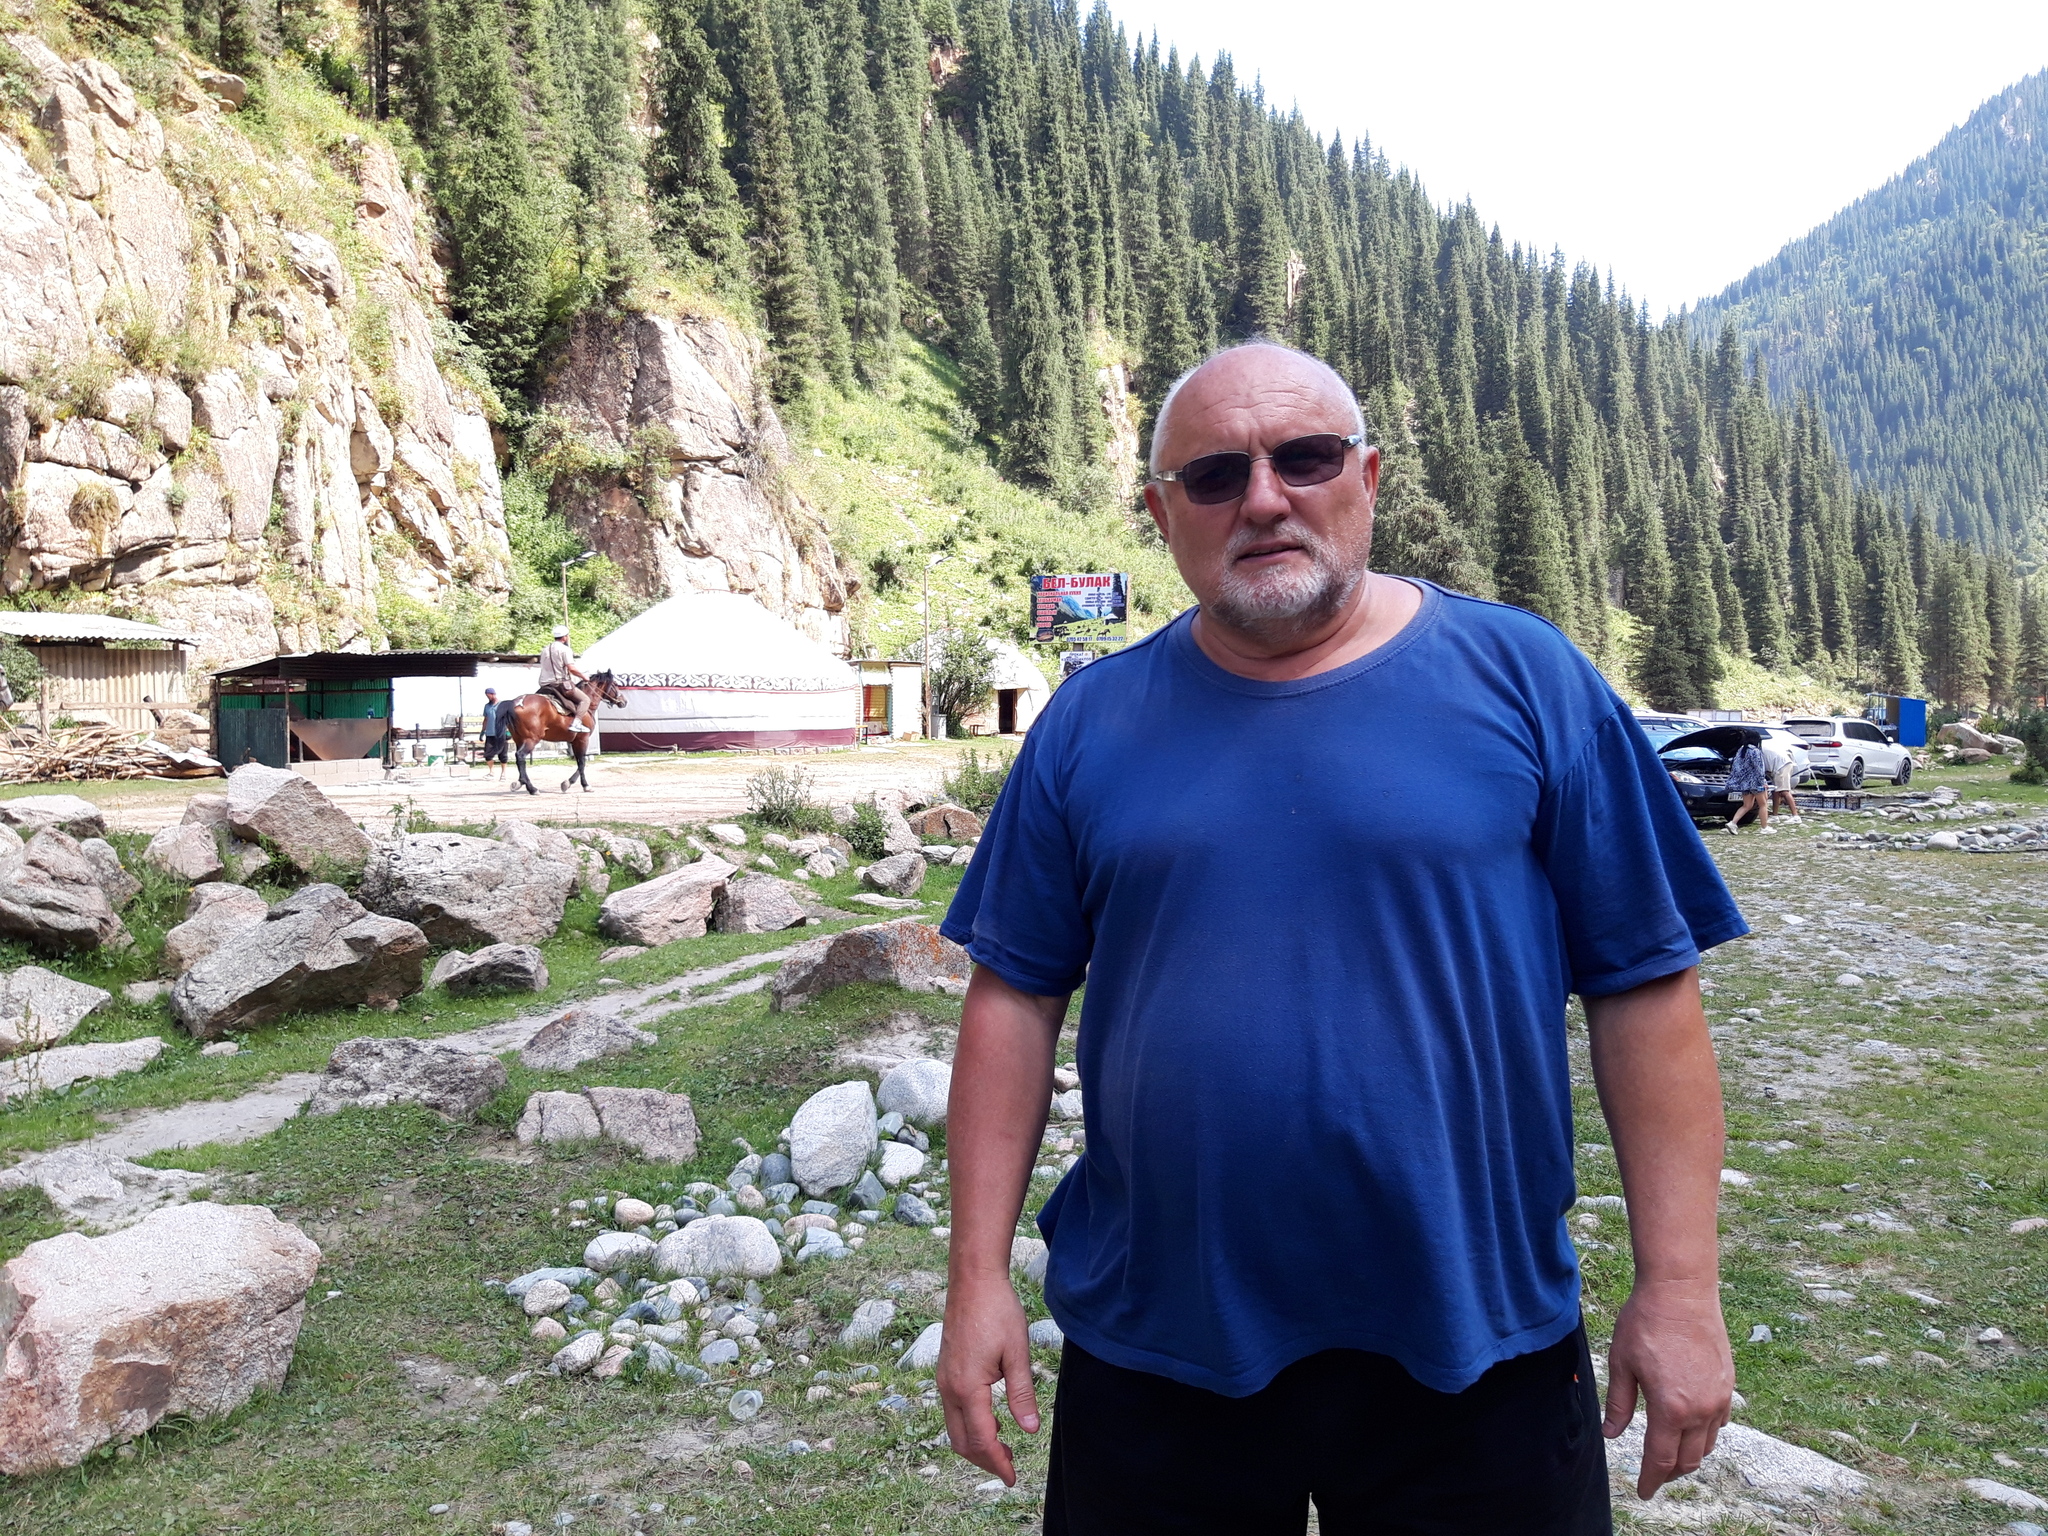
x: 220, y: 401
x: 671, y: 464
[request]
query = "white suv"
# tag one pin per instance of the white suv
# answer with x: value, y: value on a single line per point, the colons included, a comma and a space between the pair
x: 1846, y: 752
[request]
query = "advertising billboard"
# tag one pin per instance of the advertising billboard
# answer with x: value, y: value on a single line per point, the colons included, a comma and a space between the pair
x: 1094, y: 607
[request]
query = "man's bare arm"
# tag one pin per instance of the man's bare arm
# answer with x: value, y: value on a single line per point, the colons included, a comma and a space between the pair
x: 1661, y: 1090
x: 1002, y: 1087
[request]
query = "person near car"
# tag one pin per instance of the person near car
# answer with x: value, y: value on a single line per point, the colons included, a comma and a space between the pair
x: 1315, y: 1248
x: 497, y: 732
x: 1779, y: 766
x: 1748, y: 778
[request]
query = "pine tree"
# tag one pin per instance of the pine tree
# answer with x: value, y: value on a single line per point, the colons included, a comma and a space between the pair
x: 2030, y: 680
x: 1414, y: 535
x: 782, y: 268
x: 2001, y: 631
x: 1530, y: 569
x: 863, y: 235
x: 1954, y: 637
x: 1039, y: 443
x: 697, y: 207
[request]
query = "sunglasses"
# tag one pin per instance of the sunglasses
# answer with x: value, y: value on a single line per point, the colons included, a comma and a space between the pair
x: 1215, y: 478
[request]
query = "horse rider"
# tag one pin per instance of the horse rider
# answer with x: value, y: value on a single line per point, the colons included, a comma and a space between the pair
x: 557, y: 667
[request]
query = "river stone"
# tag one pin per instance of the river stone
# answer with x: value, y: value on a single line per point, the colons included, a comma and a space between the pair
x: 1748, y: 1463
x: 39, y: 1007
x: 609, y: 1251
x: 302, y: 824
x: 661, y: 1127
x: 494, y: 968
x: 557, y: 1118
x: 120, y: 886
x: 51, y: 896
x: 63, y: 1065
x: 900, y: 1161
x: 315, y: 949
x: 185, y: 852
x: 917, y: 1090
x: 67, y: 813
x: 374, y: 1073
x: 1046, y: 1334
x: 719, y: 1352
x: 545, y: 1296
x: 571, y: 1275
x: 666, y: 908
x: 628, y: 852
x: 870, y: 1319
x: 832, y: 1137
x: 215, y: 912
x: 923, y: 1354
x: 579, y: 1354
x: 581, y: 1035
x: 718, y: 1246
x: 901, y: 874
x: 467, y: 890
x: 906, y: 953
x: 188, y: 1312
x: 755, y: 904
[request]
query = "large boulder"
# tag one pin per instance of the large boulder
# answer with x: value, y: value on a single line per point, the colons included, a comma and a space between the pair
x: 188, y: 1312
x: 215, y: 913
x: 945, y: 823
x: 661, y: 1127
x: 580, y: 1035
x: 1960, y: 733
x: 300, y: 822
x: 374, y: 1073
x: 557, y: 1118
x: 494, y: 968
x: 207, y: 811
x: 666, y: 908
x: 67, y: 813
x: 51, y: 896
x: 627, y: 852
x: 317, y: 948
x: 63, y: 1065
x: 906, y: 953
x: 467, y: 890
x: 717, y: 1246
x: 186, y: 852
x: 549, y: 843
x: 917, y: 1090
x: 39, y: 1007
x: 755, y: 904
x: 897, y: 836
x: 901, y: 874
x: 120, y: 886
x: 832, y: 1137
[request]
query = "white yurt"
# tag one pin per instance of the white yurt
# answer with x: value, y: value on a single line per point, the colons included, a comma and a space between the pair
x: 710, y: 671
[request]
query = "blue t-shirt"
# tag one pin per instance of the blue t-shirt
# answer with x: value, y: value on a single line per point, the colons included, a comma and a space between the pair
x: 1328, y: 929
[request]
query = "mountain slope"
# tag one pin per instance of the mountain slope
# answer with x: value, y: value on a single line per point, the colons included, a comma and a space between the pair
x: 1918, y: 319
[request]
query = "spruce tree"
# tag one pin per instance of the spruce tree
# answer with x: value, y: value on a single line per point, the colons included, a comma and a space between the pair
x: 698, y: 218
x: 863, y: 236
x: 1530, y: 570
x: 782, y: 268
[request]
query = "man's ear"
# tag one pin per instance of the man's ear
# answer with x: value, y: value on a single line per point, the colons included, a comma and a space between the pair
x: 1155, y: 503
x: 1369, y: 467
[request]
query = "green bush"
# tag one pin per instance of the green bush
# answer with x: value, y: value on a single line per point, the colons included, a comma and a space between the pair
x: 2032, y: 728
x: 782, y: 798
x: 867, y: 832
x: 975, y: 784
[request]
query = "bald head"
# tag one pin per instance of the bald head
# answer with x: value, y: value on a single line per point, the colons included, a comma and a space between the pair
x: 1227, y: 379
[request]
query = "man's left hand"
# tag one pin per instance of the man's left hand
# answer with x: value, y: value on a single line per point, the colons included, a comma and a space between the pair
x: 1671, y: 1345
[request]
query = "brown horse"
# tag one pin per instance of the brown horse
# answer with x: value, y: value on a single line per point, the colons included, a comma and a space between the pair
x: 537, y: 718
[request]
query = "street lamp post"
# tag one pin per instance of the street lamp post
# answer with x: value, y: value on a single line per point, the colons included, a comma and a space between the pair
x: 930, y: 565
x: 588, y: 554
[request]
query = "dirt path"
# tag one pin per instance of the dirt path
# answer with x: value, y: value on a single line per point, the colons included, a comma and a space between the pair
x: 627, y: 788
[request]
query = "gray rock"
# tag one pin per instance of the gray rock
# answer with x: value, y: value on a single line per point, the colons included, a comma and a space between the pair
x: 1748, y: 1463
x: 661, y: 1127
x: 186, y: 852
x: 245, y: 860
x: 885, y: 903
x: 544, y: 1297
x: 719, y: 1352
x: 302, y: 824
x: 609, y: 1251
x: 755, y: 904
x: 120, y: 886
x: 900, y: 1162
x: 494, y: 968
x: 143, y: 993
x: 821, y: 1243
x: 592, y: 875
x: 1045, y: 1334
x: 832, y: 1137
x: 1024, y: 1252
x: 557, y: 1119
x: 775, y: 1170
x: 1067, y: 1106
x: 620, y: 952
x: 666, y: 908
x: 214, y: 914
x: 67, y: 813
x: 51, y: 897
x: 373, y: 1073
x: 946, y: 823
x: 63, y: 1065
x: 1994, y: 1492
x: 208, y: 811
x: 870, y: 1319
x: 39, y: 1007
x: 901, y: 874
x: 923, y: 1355
x: 316, y: 949
x: 912, y: 1211
x: 579, y: 1354
x: 581, y: 1035
x: 907, y: 953
x: 897, y: 836
x: 917, y: 1091
x: 719, y: 1246
x: 627, y: 852
x: 467, y: 890
x: 548, y: 843
x: 571, y: 1275
x: 729, y: 833
x: 868, y: 1194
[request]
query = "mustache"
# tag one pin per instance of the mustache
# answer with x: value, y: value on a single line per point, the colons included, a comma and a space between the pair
x: 1313, y: 545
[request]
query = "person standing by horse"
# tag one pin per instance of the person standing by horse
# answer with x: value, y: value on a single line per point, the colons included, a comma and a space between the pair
x: 497, y: 729
x: 557, y: 669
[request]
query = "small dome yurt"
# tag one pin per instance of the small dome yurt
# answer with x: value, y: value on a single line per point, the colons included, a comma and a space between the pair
x: 710, y: 671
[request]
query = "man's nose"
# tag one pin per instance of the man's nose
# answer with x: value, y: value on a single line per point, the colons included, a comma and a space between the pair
x: 1265, y: 496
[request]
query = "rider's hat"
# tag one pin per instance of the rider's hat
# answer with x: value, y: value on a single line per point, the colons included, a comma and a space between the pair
x: 561, y: 631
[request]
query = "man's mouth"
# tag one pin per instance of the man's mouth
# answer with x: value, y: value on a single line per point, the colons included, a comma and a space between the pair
x: 1266, y: 552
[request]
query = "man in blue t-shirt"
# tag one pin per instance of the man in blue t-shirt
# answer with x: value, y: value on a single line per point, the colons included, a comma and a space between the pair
x: 1331, y: 852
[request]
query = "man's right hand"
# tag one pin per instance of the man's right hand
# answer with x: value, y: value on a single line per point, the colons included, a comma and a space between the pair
x: 985, y: 1341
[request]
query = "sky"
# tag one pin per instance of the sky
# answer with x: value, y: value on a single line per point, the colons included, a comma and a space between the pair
x: 1675, y: 144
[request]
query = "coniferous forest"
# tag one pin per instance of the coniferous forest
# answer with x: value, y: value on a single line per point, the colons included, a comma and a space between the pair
x: 1044, y: 197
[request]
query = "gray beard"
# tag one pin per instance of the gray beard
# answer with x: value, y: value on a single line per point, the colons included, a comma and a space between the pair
x: 1285, y: 605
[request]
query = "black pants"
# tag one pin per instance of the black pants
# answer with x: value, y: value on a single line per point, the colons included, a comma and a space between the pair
x: 494, y: 748
x: 1518, y: 1453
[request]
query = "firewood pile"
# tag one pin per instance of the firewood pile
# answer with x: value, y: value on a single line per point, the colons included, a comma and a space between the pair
x: 29, y: 756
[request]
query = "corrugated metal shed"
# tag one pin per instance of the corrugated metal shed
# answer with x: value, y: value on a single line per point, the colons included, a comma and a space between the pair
x: 362, y: 666
x: 72, y: 628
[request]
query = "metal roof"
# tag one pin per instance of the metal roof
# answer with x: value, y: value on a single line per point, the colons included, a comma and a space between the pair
x: 368, y: 666
x: 63, y: 627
